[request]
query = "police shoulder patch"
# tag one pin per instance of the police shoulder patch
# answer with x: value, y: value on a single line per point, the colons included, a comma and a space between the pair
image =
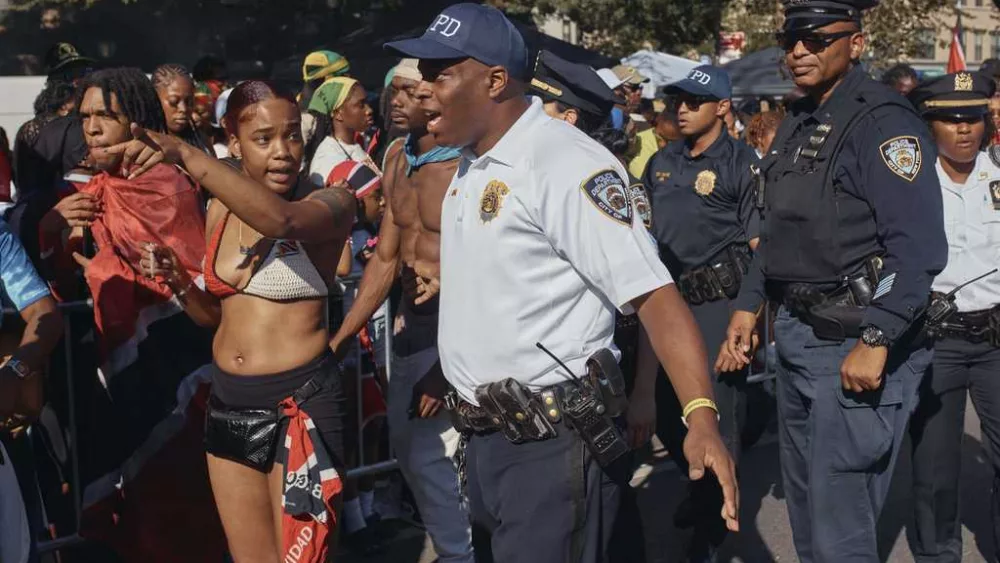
x: 640, y: 202
x: 902, y: 156
x: 995, y: 194
x: 608, y: 193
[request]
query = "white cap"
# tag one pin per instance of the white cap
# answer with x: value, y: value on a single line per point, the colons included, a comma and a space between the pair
x: 610, y: 78
x: 220, y: 106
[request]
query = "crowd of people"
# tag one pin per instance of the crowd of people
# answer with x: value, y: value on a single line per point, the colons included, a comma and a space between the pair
x: 563, y: 267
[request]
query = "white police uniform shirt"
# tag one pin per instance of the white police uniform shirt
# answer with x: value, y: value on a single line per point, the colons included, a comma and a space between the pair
x: 539, y: 243
x: 972, y: 225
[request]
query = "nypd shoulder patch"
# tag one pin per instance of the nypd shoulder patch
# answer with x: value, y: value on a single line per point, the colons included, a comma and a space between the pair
x: 902, y: 156
x: 640, y: 203
x: 608, y: 192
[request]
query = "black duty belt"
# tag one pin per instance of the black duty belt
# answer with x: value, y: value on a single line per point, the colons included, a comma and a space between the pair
x: 478, y: 420
x: 972, y: 326
x: 718, y: 279
x: 834, y: 311
x: 587, y: 405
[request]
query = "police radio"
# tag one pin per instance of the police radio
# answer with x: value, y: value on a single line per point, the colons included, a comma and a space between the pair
x: 588, y: 415
x: 943, y: 306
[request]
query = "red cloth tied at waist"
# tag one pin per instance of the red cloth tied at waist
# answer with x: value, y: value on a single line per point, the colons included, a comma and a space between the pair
x: 311, y: 484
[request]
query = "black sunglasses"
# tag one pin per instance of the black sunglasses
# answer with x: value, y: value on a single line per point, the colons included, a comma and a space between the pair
x: 814, y: 42
x: 691, y: 101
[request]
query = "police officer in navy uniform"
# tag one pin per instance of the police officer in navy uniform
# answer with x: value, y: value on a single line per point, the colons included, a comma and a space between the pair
x: 540, y: 246
x: 706, y: 223
x: 965, y: 324
x: 852, y: 235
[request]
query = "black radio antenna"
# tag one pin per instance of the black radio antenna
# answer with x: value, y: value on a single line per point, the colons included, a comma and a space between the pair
x: 952, y: 293
x: 573, y: 378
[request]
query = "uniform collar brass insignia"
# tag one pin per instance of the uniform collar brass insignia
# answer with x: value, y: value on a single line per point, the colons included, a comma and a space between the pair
x: 983, y: 175
x: 963, y: 82
x: 704, y: 183
x: 492, y: 200
x: 662, y: 176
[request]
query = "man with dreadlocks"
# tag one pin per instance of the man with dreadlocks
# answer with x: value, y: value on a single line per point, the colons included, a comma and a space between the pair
x: 148, y: 348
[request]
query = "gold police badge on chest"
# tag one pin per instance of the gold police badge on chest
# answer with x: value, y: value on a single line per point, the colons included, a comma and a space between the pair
x: 492, y: 200
x: 704, y: 183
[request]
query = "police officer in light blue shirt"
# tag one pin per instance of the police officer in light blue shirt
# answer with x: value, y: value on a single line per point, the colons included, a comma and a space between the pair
x: 540, y: 245
x: 966, y: 334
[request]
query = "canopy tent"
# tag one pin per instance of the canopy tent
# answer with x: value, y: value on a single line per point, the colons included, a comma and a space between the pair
x: 760, y: 73
x: 660, y: 68
x: 535, y: 40
x: 369, y: 62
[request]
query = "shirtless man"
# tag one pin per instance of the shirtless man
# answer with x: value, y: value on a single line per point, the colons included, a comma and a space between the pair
x: 416, y: 176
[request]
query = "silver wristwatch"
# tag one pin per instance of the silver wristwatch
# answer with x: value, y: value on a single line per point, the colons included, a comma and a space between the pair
x: 874, y: 337
x: 18, y: 367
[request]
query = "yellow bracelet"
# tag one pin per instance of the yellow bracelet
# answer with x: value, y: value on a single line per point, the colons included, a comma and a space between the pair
x: 696, y: 404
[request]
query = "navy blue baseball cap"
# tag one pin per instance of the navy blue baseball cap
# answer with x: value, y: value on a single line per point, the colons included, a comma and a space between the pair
x: 472, y: 31
x: 705, y: 80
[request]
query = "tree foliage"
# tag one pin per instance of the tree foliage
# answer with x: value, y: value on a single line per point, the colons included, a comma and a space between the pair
x: 894, y: 27
x: 620, y: 27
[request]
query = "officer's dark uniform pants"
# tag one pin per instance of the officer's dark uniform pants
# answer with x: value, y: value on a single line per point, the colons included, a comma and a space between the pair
x: 936, y: 432
x: 837, y: 448
x: 541, y: 502
x: 702, y: 508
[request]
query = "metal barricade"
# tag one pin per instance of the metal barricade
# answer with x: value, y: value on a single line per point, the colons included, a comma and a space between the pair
x: 363, y: 469
x: 76, y: 486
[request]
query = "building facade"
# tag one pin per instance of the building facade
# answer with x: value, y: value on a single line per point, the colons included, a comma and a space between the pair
x: 980, y: 38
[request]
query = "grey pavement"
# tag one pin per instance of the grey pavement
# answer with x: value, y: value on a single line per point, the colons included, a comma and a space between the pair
x: 766, y: 536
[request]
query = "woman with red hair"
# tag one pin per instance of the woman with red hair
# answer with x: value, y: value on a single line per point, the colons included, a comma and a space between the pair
x: 275, y: 427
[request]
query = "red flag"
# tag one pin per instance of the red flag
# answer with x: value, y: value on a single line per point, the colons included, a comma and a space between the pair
x: 155, y: 504
x: 956, y: 55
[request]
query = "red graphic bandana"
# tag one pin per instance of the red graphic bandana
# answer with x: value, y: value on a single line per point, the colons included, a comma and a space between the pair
x: 311, y: 484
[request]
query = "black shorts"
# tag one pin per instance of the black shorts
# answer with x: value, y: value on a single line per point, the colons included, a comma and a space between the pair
x: 327, y: 408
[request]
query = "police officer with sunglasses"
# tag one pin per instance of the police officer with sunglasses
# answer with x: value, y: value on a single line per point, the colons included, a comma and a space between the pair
x: 702, y: 193
x: 852, y: 236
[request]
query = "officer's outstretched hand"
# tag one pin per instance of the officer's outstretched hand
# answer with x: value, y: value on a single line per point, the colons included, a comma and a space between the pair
x: 703, y: 449
x: 862, y: 368
x: 741, y: 342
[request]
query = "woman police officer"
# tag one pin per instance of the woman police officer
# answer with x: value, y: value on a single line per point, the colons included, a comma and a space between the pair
x: 966, y: 355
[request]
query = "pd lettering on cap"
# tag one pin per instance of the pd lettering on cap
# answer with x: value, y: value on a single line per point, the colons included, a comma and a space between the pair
x: 700, y: 77
x: 450, y: 25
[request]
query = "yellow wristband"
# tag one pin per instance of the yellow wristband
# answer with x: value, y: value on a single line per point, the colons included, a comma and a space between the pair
x: 696, y: 404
